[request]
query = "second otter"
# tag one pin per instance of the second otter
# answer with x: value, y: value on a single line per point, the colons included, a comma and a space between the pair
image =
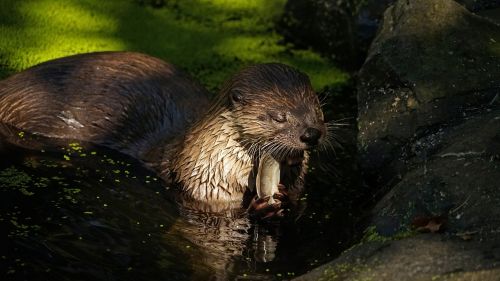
x: 138, y: 105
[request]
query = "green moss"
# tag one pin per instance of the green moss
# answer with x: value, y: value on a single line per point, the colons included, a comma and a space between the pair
x: 210, y: 39
x: 495, y: 47
x: 371, y: 235
x: 340, y: 271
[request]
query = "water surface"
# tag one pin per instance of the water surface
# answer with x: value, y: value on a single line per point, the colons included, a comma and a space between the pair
x: 73, y: 211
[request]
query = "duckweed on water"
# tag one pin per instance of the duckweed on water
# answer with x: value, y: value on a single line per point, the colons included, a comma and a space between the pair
x: 76, y: 146
x: 210, y: 39
x: 22, y: 230
x: 69, y: 194
x: 12, y: 178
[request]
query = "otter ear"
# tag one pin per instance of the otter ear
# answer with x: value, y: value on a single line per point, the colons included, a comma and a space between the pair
x: 236, y: 98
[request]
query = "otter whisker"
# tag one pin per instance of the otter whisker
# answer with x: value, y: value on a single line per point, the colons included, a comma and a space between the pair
x: 336, y: 124
x: 332, y: 139
x: 327, y: 147
x: 282, y: 151
x: 273, y: 148
x: 343, y: 119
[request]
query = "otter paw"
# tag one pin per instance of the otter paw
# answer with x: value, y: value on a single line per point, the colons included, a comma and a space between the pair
x: 262, y: 209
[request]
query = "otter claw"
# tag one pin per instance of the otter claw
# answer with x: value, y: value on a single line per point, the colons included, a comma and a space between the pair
x: 280, y: 196
x: 261, y: 208
x: 259, y: 203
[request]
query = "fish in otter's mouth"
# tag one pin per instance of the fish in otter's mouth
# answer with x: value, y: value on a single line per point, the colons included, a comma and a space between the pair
x: 269, y: 172
x: 268, y: 177
x: 288, y: 151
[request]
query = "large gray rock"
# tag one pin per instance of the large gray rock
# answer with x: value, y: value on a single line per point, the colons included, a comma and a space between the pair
x: 420, y: 258
x: 458, y: 184
x: 429, y: 143
x: 429, y: 118
x: 455, y: 176
x: 479, y: 5
x: 432, y: 64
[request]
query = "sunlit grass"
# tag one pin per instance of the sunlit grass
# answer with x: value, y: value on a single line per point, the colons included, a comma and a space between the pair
x: 209, y: 39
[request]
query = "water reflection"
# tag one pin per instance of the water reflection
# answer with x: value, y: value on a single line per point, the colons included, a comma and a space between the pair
x: 226, y: 238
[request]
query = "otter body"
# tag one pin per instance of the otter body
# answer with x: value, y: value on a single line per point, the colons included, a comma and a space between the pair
x: 126, y: 101
x: 148, y: 109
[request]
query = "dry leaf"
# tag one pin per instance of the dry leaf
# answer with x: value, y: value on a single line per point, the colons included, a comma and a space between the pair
x: 432, y: 224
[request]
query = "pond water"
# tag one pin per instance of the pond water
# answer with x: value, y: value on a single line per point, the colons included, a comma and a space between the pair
x: 73, y: 211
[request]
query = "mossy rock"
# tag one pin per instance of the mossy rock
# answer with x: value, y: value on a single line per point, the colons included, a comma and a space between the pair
x: 429, y: 66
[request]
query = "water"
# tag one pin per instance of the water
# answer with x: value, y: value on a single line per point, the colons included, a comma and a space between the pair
x: 73, y: 211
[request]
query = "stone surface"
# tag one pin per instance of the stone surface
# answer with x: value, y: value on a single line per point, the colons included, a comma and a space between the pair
x: 454, y: 176
x: 429, y: 144
x: 343, y: 29
x: 340, y: 29
x: 491, y: 14
x: 479, y: 5
x: 419, y: 258
x: 430, y: 66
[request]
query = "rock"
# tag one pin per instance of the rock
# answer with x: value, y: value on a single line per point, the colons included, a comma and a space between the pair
x: 492, y: 14
x: 430, y: 66
x: 454, y: 176
x: 429, y: 118
x: 419, y: 258
x: 343, y: 29
x: 458, y: 183
x: 429, y: 145
x: 479, y: 5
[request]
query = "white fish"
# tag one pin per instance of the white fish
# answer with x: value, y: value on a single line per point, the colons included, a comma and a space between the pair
x: 268, y: 177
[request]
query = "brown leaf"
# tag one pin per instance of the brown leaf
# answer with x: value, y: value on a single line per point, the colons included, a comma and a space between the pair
x: 432, y: 224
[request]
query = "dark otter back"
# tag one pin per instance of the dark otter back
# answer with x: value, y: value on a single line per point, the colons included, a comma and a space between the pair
x: 123, y: 100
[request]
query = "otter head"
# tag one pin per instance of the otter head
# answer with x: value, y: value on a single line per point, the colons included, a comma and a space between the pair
x: 275, y: 110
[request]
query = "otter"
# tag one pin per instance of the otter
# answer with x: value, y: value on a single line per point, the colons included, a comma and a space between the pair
x: 149, y: 109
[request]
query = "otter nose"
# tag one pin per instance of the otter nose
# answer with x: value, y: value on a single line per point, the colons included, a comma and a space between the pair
x: 311, y: 136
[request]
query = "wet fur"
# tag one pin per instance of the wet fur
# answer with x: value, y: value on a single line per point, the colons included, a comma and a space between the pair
x: 221, y: 152
x: 145, y: 107
x: 123, y: 100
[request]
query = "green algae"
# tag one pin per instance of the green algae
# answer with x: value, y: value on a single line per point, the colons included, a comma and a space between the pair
x: 12, y: 178
x: 209, y: 39
x: 21, y: 229
x: 339, y: 272
x: 371, y: 235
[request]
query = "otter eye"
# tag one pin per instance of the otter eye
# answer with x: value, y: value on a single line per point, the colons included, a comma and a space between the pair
x: 236, y: 97
x: 279, y: 117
